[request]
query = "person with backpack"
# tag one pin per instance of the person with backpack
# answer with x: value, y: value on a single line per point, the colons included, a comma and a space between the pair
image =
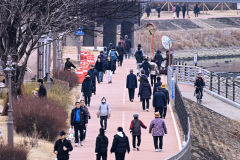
x: 114, y: 56
x: 131, y: 85
x: 146, y: 66
x: 109, y: 69
x: 99, y: 67
x: 120, y: 51
x: 158, y: 129
x: 158, y: 59
x: 135, y: 129
x: 153, y: 72
x: 87, y: 89
x: 101, y: 147
x: 104, y: 113
x: 145, y: 93
x: 156, y: 85
x: 139, y: 57
x: 120, y: 145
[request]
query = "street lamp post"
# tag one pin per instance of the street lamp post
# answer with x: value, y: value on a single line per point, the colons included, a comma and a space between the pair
x: 8, y: 71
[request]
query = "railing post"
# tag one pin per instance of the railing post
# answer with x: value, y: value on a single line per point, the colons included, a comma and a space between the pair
x: 211, y: 79
x: 183, y: 73
x: 218, y: 84
x: 226, y: 87
x: 233, y: 90
x: 188, y: 73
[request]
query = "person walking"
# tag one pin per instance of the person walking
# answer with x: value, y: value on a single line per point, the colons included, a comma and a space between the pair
x: 79, y: 119
x: 196, y: 10
x: 158, y: 9
x: 135, y: 129
x: 184, y: 8
x: 139, y: 57
x: 113, y: 54
x: 93, y: 74
x: 156, y: 85
x: 159, y: 101
x: 158, y: 59
x: 87, y: 90
x: 62, y: 147
x: 109, y: 69
x: 99, y: 68
x: 101, y: 147
x: 85, y: 126
x: 131, y: 85
x: 178, y: 9
x: 104, y: 113
x: 146, y: 66
x: 174, y: 11
x: 103, y: 58
x: 145, y: 93
x: 68, y: 65
x: 120, y: 50
x: 42, y: 92
x: 148, y: 10
x: 153, y: 72
x: 120, y: 145
x: 166, y: 93
x: 128, y: 43
x: 158, y: 129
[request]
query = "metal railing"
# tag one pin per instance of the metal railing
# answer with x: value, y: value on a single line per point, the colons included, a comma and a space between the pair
x: 183, y: 117
x: 223, y: 86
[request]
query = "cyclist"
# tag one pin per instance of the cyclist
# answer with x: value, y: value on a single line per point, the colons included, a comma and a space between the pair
x: 199, y: 84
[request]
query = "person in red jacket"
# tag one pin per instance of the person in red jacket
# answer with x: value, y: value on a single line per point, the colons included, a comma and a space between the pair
x: 135, y: 129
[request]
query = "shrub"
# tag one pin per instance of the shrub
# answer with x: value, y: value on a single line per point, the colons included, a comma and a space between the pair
x: 19, y: 152
x: 39, y: 115
x: 68, y: 76
x: 58, y: 93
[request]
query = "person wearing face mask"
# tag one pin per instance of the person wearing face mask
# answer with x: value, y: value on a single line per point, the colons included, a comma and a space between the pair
x: 104, y: 113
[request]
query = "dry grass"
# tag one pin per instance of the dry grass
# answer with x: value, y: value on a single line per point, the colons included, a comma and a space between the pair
x: 191, y: 39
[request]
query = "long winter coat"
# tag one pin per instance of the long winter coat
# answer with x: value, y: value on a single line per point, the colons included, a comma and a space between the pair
x: 99, y: 66
x: 146, y: 67
x: 158, y: 58
x: 42, y: 92
x: 158, y: 127
x: 159, y: 100
x: 87, y: 87
x: 145, y: 91
x: 131, y: 81
x: 93, y: 76
x: 156, y: 85
x: 165, y: 91
x: 101, y: 144
x: 120, y: 50
x: 139, y: 56
x: 120, y: 143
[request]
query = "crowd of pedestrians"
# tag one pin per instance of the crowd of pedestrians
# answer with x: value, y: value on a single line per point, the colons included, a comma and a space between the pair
x: 147, y: 79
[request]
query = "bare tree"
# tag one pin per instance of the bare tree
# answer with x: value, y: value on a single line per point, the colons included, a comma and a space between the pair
x: 24, y: 22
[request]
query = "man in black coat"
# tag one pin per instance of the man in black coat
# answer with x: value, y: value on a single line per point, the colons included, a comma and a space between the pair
x: 42, y: 92
x: 68, y: 64
x: 93, y: 74
x: 79, y: 120
x: 120, y: 145
x: 178, y: 9
x: 128, y: 46
x: 158, y: 59
x: 158, y: 9
x: 100, y: 69
x: 156, y: 85
x: 166, y: 93
x: 139, y: 57
x: 87, y: 90
x: 131, y: 85
x: 159, y: 101
x: 120, y: 50
x: 184, y: 8
x: 62, y: 147
x: 146, y: 67
x: 101, y: 147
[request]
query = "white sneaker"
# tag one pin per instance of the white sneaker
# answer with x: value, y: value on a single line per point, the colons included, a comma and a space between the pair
x: 156, y: 150
x: 147, y: 110
x: 81, y: 143
x: 160, y: 150
x: 76, y: 144
x: 138, y: 149
x: 134, y: 149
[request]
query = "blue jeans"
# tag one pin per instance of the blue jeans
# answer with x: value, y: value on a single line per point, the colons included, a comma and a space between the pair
x: 100, y: 77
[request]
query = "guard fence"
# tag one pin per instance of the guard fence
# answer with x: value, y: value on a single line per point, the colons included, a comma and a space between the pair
x: 183, y: 118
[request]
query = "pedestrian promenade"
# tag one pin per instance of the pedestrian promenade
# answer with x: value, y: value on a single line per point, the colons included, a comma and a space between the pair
x: 211, y: 103
x: 122, y: 111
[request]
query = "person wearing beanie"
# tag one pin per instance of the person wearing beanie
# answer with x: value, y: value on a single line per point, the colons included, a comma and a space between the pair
x: 131, y: 85
x: 104, y: 113
x: 166, y: 93
x: 156, y: 85
x: 42, y: 92
x: 120, y: 145
x: 101, y: 147
x: 158, y: 129
x: 159, y: 101
x: 62, y: 147
x: 158, y: 59
x: 135, y: 129
x: 87, y: 89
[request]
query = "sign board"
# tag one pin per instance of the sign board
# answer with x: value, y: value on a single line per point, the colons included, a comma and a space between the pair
x: 79, y: 32
x: 238, y: 6
x: 195, y: 58
x: 165, y: 42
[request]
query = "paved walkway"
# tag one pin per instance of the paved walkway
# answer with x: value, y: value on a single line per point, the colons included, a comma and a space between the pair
x: 122, y: 112
x: 212, y: 103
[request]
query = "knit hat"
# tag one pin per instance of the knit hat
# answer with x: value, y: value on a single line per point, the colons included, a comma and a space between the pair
x: 62, y: 133
x: 157, y: 114
x: 163, y: 85
x: 135, y: 116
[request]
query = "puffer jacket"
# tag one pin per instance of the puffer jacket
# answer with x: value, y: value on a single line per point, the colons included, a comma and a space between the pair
x: 145, y: 91
x: 120, y: 143
x: 101, y: 144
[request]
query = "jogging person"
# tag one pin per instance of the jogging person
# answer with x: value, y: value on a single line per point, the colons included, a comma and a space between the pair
x: 199, y: 84
x: 135, y: 129
x: 104, y: 113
